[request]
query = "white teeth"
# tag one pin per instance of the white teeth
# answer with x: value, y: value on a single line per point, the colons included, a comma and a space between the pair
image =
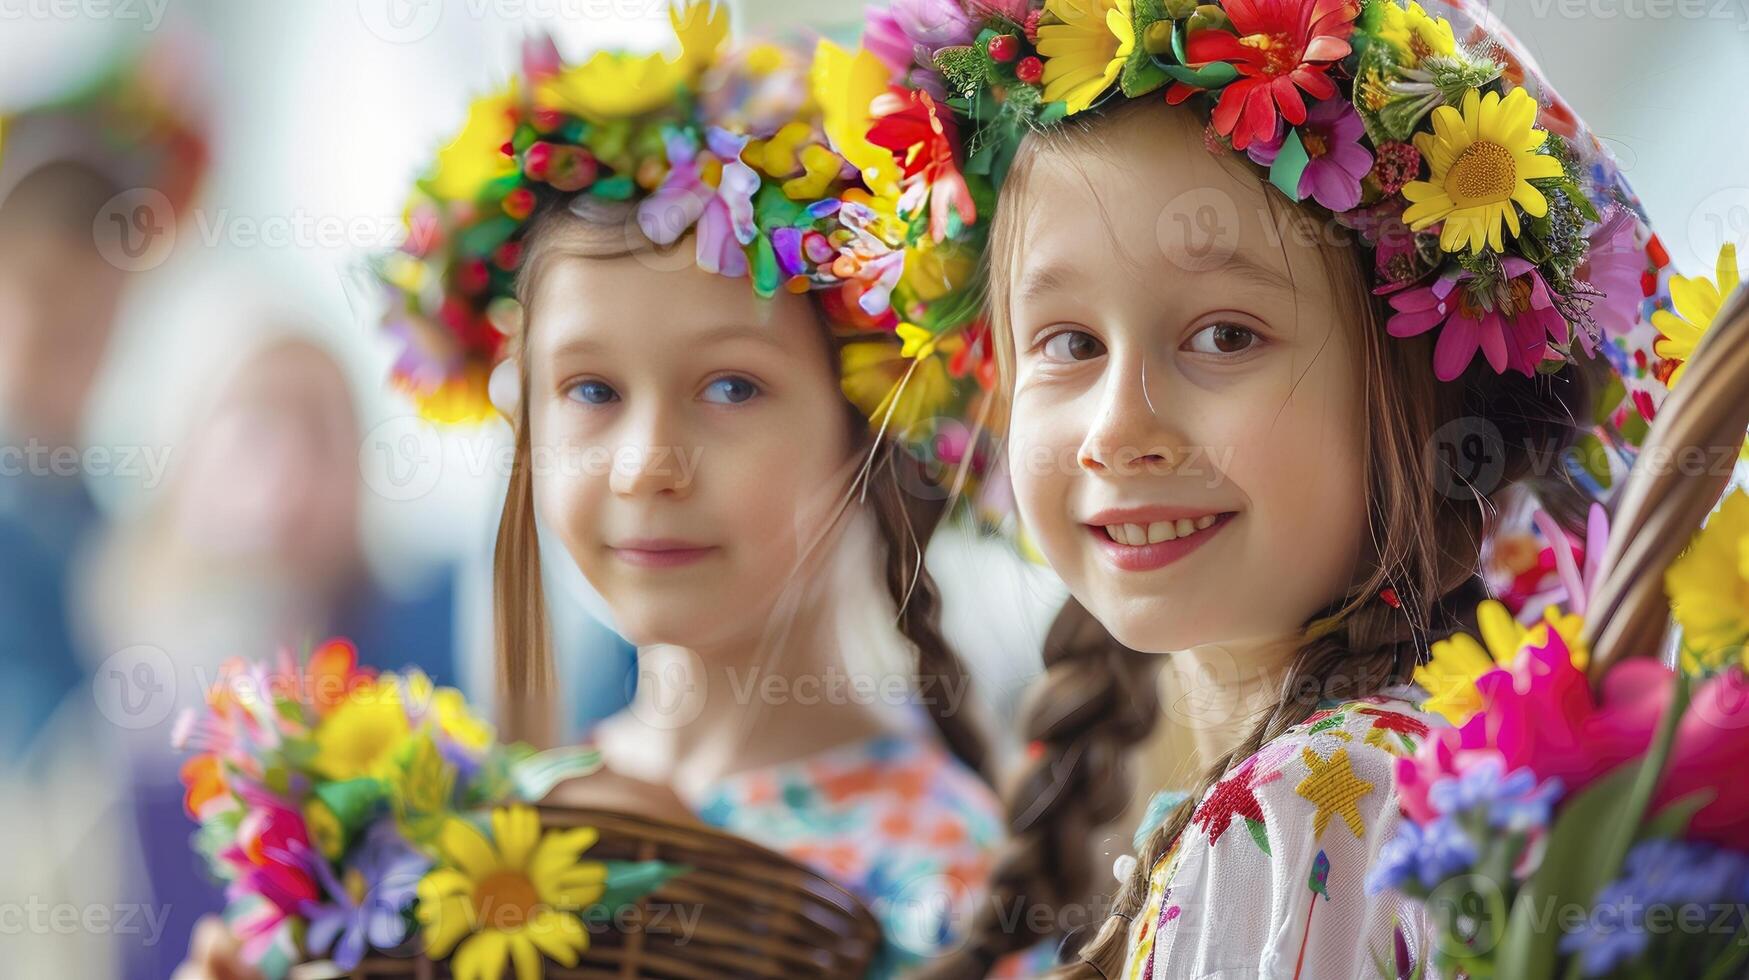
x: 1136, y: 535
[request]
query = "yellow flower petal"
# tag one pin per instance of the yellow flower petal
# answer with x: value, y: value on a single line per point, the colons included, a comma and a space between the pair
x: 466, y: 847
x: 446, y: 923
x: 558, y: 935
x: 481, y: 957
x: 516, y: 829
x: 845, y: 85
x: 526, y: 957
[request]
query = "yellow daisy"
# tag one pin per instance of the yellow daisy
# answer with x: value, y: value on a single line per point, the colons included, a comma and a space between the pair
x: 1709, y: 588
x: 1412, y: 31
x: 1085, y: 52
x: 476, y: 156
x: 1481, y: 159
x: 1697, y: 301
x: 360, y: 736
x: 511, y: 898
x: 1449, y: 676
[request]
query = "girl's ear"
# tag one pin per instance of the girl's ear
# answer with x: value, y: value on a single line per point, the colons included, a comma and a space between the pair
x: 504, y: 388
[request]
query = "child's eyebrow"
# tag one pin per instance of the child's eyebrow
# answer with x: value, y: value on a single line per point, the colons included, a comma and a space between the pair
x: 1243, y: 265
x: 1043, y: 280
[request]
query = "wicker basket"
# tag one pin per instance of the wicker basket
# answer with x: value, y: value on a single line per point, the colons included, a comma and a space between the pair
x: 748, y: 912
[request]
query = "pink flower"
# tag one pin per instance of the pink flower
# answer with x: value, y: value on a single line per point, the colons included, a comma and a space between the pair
x: 1331, y: 135
x: 1615, y: 267
x: 1539, y: 713
x: 270, y: 857
x: 1510, y: 327
x: 934, y: 24
x: 885, y: 39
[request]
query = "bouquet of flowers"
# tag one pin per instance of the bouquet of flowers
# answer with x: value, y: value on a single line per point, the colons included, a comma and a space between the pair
x: 1585, y: 817
x: 351, y: 811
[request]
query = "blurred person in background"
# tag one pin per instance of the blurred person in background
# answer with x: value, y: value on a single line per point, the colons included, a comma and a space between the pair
x: 126, y: 140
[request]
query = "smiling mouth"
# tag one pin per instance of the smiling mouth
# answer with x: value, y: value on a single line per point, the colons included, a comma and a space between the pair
x: 661, y: 554
x: 1140, y: 546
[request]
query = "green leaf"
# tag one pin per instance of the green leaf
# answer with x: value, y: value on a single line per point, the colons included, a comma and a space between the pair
x: 1672, y: 820
x: 536, y: 776
x: 1141, y: 73
x: 482, y: 238
x: 1259, y: 833
x: 1053, y: 113
x: 1290, y: 163
x: 628, y: 881
x: 1210, y: 76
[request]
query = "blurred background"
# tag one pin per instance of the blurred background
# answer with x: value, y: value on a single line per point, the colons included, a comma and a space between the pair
x: 198, y: 458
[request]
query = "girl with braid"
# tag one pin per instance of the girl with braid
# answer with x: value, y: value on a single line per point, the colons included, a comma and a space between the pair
x: 724, y: 464
x: 1296, y: 304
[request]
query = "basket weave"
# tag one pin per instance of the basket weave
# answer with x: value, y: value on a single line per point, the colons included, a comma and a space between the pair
x: 1629, y: 614
x: 749, y: 912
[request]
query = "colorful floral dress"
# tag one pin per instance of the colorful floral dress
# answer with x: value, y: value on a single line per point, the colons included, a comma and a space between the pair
x: 1269, y: 877
x: 897, y: 820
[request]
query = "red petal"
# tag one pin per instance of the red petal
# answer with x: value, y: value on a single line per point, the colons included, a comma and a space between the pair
x: 1205, y: 46
x: 1317, y: 84
x: 1226, y: 113
x: 1327, y: 48
x: 1287, y: 99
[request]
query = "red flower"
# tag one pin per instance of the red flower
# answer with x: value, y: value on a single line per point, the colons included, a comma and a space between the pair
x: 1280, y: 48
x: 925, y: 142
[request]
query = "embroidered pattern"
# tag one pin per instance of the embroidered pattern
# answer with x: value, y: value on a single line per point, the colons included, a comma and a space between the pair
x: 1235, y: 796
x: 1396, y: 733
x: 1334, y: 789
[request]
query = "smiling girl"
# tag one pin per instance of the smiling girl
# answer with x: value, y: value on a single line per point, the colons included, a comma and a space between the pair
x: 1275, y: 370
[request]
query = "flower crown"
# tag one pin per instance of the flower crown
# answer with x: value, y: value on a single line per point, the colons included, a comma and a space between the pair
x: 758, y: 153
x: 1493, y: 216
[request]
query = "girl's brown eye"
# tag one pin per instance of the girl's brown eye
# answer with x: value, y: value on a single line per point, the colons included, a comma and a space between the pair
x: 1222, y: 338
x: 1073, y: 345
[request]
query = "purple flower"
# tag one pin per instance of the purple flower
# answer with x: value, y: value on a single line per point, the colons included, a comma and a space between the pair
x: 1613, y: 267
x: 1656, y: 874
x: 368, y: 901
x: 885, y: 39
x: 1428, y: 854
x: 1515, y: 802
x: 934, y: 24
x: 1336, y: 162
x: 1510, y: 325
x: 723, y: 215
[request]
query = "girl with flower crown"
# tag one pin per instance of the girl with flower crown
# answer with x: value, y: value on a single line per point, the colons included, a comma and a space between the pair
x: 748, y: 477
x: 1295, y: 302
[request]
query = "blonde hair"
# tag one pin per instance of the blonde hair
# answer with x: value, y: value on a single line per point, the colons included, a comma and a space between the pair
x: 1098, y: 699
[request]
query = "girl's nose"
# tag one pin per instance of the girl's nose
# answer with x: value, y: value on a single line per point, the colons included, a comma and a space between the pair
x: 1133, y: 431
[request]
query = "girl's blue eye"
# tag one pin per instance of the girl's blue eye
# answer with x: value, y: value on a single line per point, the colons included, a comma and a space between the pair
x: 593, y: 393
x: 730, y: 391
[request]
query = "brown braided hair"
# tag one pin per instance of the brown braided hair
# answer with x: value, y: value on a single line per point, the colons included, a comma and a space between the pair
x: 907, y: 505
x: 1426, y: 522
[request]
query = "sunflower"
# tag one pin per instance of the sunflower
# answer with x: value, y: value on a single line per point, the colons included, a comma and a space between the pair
x: 1709, y: 587
x: 1449, y: 676
x: 359, y: 738
x: 1482, y: 160
x: 514, y: 897
x: 1086, y: 51
x: 1697, y: 301
x: 476, y: 157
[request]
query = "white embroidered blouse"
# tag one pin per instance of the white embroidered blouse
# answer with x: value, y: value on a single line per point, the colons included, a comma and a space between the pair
x: 1269, y: 877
